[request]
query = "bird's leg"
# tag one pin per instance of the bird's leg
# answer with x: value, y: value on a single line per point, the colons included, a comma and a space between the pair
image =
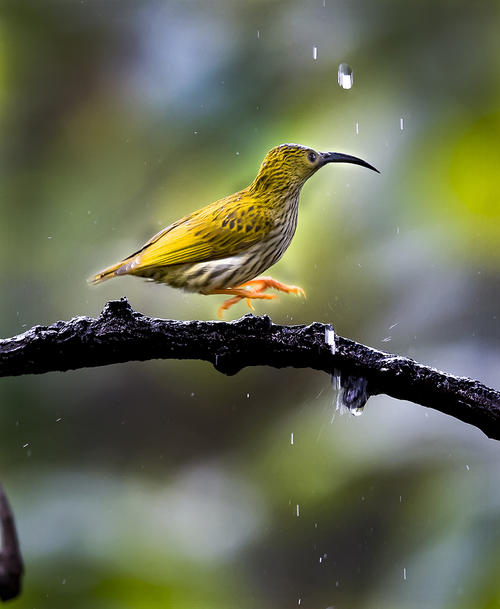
x: 263, y: 283
x: 238, y: 294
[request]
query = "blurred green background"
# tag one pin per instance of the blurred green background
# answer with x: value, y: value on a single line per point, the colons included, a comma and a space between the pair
x: 164, y: 484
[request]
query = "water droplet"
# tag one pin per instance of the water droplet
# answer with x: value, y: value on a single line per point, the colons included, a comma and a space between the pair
x: 401, y: 123
x: 300, y: 601
x: 315, y: 53
x: 248, y: 395
x: 387, y: 339
x: 404, y: 573
x: 357, y: 128
x: 258, y: 33
x: 468, y: 468
x: 26, y: 445
x: 330, y: 339
x: 291, y: 438
x: 298, y: 510
x: 345, y: 76
x: 351, y: 393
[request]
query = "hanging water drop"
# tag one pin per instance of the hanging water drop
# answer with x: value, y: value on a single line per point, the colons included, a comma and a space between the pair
x: 345, y: 76
x: 351, y: 393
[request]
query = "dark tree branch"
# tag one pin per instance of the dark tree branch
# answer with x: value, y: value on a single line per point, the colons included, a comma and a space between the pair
x: 121, y: 334
x: 11, y: 562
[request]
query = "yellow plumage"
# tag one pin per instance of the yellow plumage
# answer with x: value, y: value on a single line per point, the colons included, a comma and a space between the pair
x: 222, y: 247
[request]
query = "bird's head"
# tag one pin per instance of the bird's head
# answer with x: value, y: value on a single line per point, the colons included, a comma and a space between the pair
x: 288, y: 166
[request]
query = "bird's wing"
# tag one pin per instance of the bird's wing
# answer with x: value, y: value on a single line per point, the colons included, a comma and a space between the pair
x: 219, y: 230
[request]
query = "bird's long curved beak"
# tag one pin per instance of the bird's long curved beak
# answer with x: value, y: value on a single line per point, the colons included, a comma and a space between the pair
x: 339, y: 157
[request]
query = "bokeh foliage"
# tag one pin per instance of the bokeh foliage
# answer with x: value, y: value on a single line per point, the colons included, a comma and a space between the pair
x: 164, y: 484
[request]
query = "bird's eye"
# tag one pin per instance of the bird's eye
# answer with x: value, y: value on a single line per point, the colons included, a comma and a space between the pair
x: 312, y: 157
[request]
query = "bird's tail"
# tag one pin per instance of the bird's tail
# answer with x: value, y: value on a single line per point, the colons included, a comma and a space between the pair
x: 108, y: 273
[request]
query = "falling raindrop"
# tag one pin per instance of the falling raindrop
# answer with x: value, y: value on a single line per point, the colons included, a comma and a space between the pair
x: 404, y: 573
x: 345, y: 76
x: 338, y: 389
x: 258, y: 33
x: 315, y: 53
x: 298, y: 510
x: 357, y: 128
x: 291, y: 438
x: 401, y: 123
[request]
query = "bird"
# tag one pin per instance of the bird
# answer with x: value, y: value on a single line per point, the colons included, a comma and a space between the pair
x: 223, y: 247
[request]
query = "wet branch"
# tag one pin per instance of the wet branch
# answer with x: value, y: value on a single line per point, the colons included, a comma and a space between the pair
x: 121, y: 334
x: 11, y: 562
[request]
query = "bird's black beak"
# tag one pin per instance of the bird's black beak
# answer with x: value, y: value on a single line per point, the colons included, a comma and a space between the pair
x: 339, y: 157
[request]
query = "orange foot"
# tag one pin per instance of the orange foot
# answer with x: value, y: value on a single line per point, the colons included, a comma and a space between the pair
x: 259, y: 285
x: 263, y: 283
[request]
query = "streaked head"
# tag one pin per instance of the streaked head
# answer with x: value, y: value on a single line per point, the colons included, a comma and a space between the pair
x: 288, y: 166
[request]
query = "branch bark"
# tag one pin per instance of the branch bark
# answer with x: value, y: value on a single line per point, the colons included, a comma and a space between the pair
x: 11, y: 562
x: 121, y: 334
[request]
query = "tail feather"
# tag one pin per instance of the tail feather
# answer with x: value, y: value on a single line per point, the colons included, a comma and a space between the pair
x: 108, y: 273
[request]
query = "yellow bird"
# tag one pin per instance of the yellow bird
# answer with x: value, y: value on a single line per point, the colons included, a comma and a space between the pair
x: 223, y: 247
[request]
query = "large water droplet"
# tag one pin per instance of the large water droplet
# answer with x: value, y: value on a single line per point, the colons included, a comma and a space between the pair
x: 345, y: 76
x: 351, y: 393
